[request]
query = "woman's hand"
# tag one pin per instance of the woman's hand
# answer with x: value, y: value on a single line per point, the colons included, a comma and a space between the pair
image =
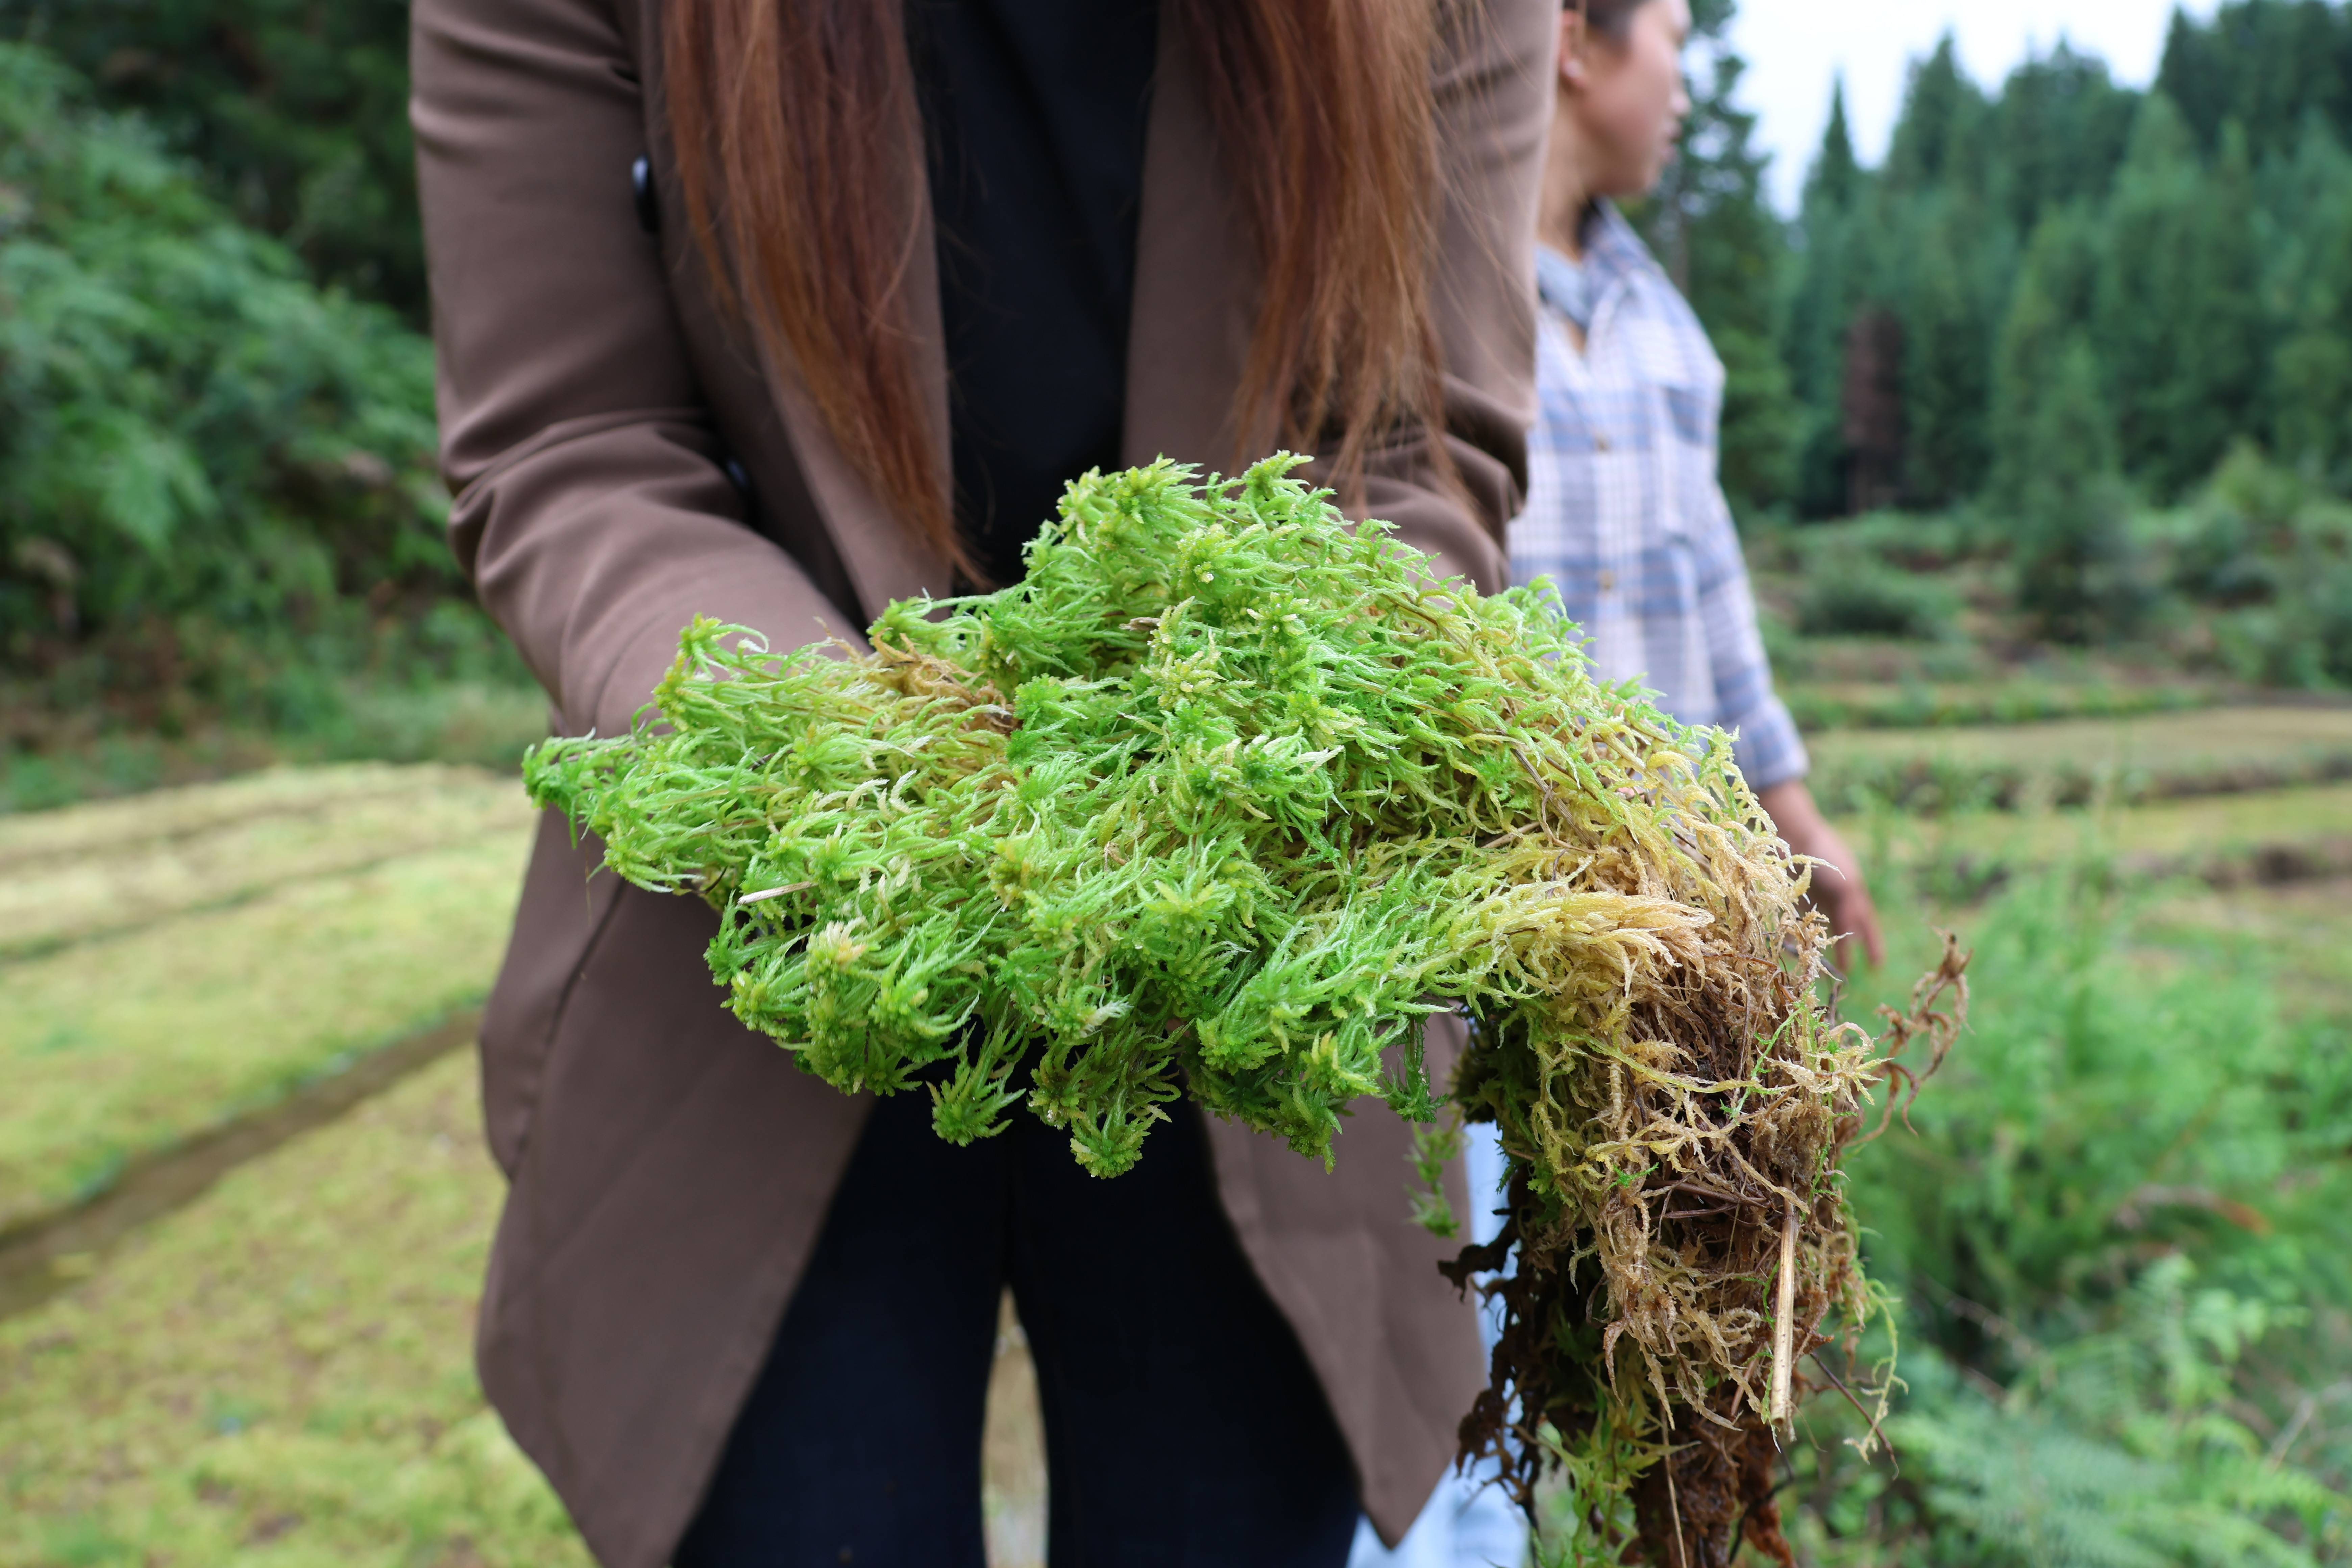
x: 1838, y: 887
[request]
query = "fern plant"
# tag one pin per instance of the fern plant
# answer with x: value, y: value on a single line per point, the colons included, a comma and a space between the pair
x: 2120, y: 1449
x: 190, y: 431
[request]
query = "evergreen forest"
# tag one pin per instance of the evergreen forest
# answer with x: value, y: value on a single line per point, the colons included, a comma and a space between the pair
x: 2187, y: 248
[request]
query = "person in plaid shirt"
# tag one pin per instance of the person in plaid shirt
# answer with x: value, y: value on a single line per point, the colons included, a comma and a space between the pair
x: 1626, y: 516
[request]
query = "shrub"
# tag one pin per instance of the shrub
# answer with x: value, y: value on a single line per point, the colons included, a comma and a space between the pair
x: 1854, y: 595
x: 2120, y: 1236
x: 2273, y: 552
x: 216, y: 479
x: 184, y: 422
x: 296, y: 112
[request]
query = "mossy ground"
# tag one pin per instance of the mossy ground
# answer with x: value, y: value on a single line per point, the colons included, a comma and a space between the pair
x: 281, y: 1373
x: 350, y: 918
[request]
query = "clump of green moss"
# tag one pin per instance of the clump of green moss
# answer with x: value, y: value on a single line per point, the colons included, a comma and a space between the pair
x: 1225, y: 798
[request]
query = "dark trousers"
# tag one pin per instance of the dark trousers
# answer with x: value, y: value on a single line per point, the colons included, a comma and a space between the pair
x: 1183, y: 1425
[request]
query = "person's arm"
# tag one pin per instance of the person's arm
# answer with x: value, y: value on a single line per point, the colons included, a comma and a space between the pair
x: 1769, y: 751
x: 1838, y: 886
x: 1494, y: 110
x: 592, y: 512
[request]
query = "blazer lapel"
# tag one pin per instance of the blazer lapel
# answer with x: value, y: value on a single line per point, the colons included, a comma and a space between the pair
x: 1195, y: 287
x: 883, y: 557
x: 886, y: 559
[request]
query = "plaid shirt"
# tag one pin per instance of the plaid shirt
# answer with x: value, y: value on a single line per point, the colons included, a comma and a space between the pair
x: 1625, y: 514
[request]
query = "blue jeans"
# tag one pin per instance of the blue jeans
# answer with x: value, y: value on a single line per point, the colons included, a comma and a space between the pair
x: 1183, y: 1425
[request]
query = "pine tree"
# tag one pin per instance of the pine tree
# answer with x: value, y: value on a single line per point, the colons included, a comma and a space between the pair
x: 2069, y: 541
x: 1823, y: 299
x: 2056, y: 133
x: 1947, y: 351
x: 1937, y: 140
x: 2310, y: 391
x: 2049, y: 309
x: 2261, y: 63
x: 2177, y: 323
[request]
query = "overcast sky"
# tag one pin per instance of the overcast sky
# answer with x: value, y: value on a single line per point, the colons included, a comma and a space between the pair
x: 1795, y: 48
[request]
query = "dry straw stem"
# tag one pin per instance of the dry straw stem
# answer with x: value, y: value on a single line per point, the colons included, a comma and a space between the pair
x: 1224, y: 800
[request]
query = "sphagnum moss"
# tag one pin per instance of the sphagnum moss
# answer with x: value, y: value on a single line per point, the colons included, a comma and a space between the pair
x: 1224, y: 799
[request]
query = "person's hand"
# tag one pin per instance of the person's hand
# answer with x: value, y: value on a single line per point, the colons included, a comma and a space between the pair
x: 1838, y: 887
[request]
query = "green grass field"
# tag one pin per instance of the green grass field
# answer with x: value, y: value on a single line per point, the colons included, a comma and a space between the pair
x: 200, y: 961
x: 2080, y: 761
x: 281, y: 1372
x: 2200, y: 834
x: 85, y: 753
x: 99, y: 869
x: 1834, y: 704
x: 2209, y: 737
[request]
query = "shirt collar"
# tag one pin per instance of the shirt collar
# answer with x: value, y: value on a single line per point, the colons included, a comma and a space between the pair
x: 1563, y: 284
x: 1611, y: 249
x: 1613, y: 253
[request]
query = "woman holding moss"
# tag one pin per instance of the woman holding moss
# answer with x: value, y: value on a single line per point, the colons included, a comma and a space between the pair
x: 778, y: 311
x: 1624, y: 512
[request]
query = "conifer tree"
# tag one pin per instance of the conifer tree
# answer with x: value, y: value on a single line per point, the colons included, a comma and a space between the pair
x: 2310, y: 390
x: 1938, y: 137
x: 1827, y: 285
x: 2263, y: 64
x: 2048, y: 310
x: 2069, y: 543
x: 1946, y: 343
x: 2176, y: 321
x: 1935, y: 279
x: 2055, y: 134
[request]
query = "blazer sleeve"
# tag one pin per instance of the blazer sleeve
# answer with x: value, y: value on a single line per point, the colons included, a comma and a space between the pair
x: 592, y: 512
x: 1494, y: 100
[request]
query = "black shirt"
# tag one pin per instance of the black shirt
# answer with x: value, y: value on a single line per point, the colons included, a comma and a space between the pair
x: 1033, y: 119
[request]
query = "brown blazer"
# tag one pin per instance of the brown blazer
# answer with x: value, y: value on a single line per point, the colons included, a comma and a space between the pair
x: 670, y: 1168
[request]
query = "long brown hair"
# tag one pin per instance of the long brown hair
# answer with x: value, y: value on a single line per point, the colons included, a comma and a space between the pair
x: 795, y: 126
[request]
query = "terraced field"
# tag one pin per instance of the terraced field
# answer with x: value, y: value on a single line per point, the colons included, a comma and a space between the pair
x: 172, y: 962
x: 2078, y: 760
x: 2258, y: 837
x: 243, y: 1206
x: 2274, y: 863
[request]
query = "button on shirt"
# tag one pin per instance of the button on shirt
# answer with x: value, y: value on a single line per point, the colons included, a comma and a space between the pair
x: 1625, y: 514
